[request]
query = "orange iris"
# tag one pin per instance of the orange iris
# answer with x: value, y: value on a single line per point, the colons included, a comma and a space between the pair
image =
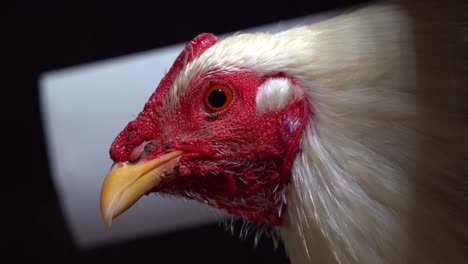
x: 217, y: 98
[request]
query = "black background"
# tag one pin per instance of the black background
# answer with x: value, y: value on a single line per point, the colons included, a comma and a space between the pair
x: 39, y: 36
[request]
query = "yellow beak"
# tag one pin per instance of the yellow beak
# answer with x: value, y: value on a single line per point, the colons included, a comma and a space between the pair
x: 127, y: 183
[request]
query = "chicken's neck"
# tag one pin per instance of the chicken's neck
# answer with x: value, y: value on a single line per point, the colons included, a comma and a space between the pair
x: 381, y: 172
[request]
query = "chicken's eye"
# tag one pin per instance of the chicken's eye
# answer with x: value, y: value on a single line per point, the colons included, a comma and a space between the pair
x: 218, y: 97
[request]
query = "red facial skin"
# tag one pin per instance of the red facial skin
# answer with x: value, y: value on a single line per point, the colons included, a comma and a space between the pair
x: 236, y: 158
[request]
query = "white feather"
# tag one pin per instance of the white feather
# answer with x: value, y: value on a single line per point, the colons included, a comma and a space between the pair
x: 276, y: 93
x: 381, y: 176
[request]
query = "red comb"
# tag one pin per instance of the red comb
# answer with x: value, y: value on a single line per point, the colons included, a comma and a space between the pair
x: 192, y: 50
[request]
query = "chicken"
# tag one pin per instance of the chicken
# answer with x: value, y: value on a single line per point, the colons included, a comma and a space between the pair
x: 348, y: 136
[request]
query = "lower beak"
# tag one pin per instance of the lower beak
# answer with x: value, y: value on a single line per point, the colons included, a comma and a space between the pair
x: 127, y: 183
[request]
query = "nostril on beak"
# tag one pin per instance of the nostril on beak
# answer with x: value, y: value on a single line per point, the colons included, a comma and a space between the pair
x: 147, y: 147
x: 140, y: 151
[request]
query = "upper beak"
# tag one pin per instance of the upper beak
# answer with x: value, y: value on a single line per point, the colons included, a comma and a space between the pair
x: 127, y: 183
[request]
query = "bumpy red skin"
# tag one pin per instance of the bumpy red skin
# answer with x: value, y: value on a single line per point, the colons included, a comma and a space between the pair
x: 235, y: 159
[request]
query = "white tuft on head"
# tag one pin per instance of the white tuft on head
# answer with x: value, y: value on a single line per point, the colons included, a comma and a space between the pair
x: 276, y: 93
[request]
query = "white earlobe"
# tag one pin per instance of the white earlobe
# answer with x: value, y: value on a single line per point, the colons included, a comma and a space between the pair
x: 276, y: 93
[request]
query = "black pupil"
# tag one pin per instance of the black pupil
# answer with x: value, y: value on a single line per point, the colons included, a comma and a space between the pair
x: 217, y: 98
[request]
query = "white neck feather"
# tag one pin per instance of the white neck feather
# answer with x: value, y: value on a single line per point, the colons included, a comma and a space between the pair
x: 381, y: 174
